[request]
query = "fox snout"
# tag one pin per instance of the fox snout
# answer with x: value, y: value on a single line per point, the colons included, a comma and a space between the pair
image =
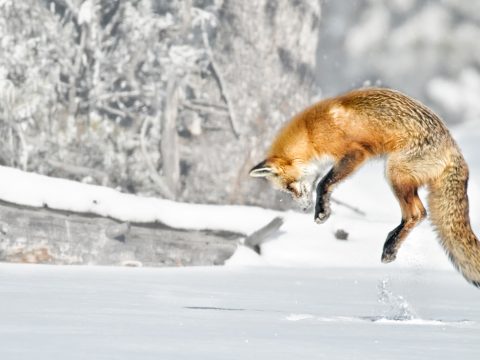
x: 302, y: 193
x: 300, y: 190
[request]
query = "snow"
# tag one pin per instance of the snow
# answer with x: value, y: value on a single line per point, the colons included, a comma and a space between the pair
x: 308, y: 296
x: 235, y: 313
x: 35, y: 190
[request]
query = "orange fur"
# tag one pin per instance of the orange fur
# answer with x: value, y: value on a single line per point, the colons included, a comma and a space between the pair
x: 419, y: 151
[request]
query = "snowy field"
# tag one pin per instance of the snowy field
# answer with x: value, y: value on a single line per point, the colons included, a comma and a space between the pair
x: 308, y: 296
x: 235, y: 313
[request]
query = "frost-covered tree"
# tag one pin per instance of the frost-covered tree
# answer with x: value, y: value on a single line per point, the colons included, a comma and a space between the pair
x: 32, y: 55
x: 170, y: 98
x: 95, y: 81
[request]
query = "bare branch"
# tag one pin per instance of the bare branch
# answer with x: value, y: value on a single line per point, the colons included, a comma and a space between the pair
x: 263, y: 234
x: 114, y: 111
x: 350, y: 207
x: 117, y: 95
x: 221, y: 81
x: 78, y: 170
x: 156, y: 178
x: 207, y: 104
x: 24, y: 156
x: 169, y: 136
x: 204, y: 108
x: 72, y: 81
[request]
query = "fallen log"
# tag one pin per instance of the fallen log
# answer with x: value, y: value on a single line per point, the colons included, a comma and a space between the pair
x: 264, y: 234
x: 47, y: 236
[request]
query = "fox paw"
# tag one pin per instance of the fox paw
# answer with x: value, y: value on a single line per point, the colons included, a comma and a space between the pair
x: 388, y: 255
x: 322, y: 216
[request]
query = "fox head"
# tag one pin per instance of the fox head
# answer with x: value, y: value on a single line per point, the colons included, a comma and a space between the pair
x: 291, y: 176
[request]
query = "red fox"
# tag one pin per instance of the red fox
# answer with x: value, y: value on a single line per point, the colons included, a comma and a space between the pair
x: 349, y: 129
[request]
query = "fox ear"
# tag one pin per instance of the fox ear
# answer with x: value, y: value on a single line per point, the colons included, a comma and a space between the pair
x: 262, y: 169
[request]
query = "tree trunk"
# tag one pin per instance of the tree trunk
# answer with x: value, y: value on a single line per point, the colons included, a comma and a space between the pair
x: 169, y: 139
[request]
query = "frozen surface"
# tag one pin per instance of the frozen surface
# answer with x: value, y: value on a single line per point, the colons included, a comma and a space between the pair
x: 236, y: 313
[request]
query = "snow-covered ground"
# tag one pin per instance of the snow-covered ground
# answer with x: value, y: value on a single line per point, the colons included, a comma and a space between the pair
x: 50, y: 312
x: 309, y: 295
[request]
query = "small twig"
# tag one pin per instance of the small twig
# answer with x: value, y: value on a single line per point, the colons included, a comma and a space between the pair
x: 204, y: 108
x: 112, y: 111
x: 117, y: 95
x: 353, y: 208
x: 210, y: 105
x: 263, y: 234
x: 78, y: 170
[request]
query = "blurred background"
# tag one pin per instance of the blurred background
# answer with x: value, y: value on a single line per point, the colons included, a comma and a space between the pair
x: 179, y: 99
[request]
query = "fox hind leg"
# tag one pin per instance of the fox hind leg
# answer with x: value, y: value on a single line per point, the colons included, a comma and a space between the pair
x: 413, y: 212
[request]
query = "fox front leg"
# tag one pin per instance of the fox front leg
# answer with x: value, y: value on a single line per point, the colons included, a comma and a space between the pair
x: 322, y: 203
x: 342, y: 169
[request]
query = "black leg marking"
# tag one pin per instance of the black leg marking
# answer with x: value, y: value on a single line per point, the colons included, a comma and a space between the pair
x: 390, y: 247
x: 322, y: 203
x: 340, y: 171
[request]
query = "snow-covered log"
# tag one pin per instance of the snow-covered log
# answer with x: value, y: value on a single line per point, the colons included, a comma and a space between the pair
x: 43, y: 235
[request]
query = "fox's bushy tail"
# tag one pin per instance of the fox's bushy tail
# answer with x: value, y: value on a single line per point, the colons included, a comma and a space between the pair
x: 449, y: 213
